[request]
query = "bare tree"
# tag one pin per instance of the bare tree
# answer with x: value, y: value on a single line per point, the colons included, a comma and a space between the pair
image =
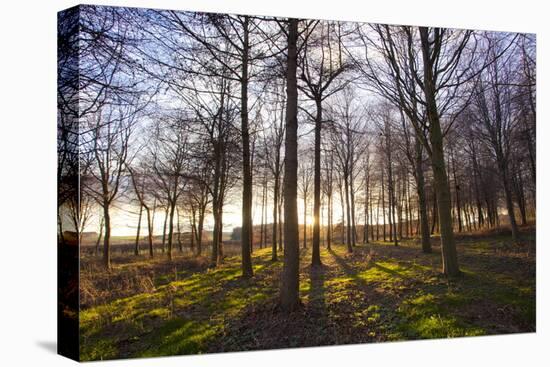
x: 274, y: 157
x: 289, y: 298
x: 494, y: 106
x: 348, y: 147
x: 170, y: 150
x: 423, y: 70
x: 321, y: 65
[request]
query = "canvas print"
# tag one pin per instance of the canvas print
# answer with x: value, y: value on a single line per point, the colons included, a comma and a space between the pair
x: 239, y: 182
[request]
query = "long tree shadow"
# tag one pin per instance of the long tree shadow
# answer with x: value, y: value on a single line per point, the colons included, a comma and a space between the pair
x: 348, y: 270
x: 193, y: 308
x: 388, y: 270
x: 317, y: 290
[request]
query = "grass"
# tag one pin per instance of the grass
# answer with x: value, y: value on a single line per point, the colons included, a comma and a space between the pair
x: 178, y: 317
x: 378, y: 293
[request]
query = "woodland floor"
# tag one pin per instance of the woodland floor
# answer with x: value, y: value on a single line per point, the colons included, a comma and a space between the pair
x: 379, y: 293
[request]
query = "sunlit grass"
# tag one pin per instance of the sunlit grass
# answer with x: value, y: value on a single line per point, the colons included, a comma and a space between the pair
x: 377, y: 293
x: 158, y: 313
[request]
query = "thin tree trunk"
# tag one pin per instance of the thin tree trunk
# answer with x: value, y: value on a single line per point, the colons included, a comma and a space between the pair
x: 200, y: 230
x: 477, y: 180
x: 164, y: 229
x: 509, y: 202
x: 136, y: 247
x: 281, y: 237
x: 378, y: 217
x: 214, y: 258
x: 305, y: 218
x: 193, y: 223
x: 366, y: 223
x: 352, y: 209
x: 107, y: 237
x: 180, y: 245
x: 520, y: 195
x: 262, y: 223
x: 275, y: 218
x: 383, y: 209
x: 421, y: 192
x: 171, y: 227
x: 457, y: 195
x: 315, y: 247
x: 391, y: 199
x: 343, y: 208
x: 149, y: 230
x: 220, y: 237
x: 329, y: 222
x: 371, y: 217
x: 348, y: 214
x: 101, y: 225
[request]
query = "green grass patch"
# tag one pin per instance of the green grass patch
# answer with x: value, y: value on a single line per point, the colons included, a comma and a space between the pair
x: 216, y: 293
x: 427, y: 316
x: 178, y: 336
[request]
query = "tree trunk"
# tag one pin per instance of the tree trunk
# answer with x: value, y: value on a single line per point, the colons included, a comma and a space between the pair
x: 171, y: 227
x: 378, y: 217
x: 435, y: 216
x: 220, y: 236
x: 315, y: 247
x: 107, y: 237
x: 352, y: 209
x: 246, y: 235
x: 330, y: 222
x: 520, y: 195
x: 164, y: 229
x: 62, y: 237
x: 348, y: 214
x: 343, y: 208
x: 371, y: 217
x: 149, y: 231
x: 101, y: 226
x: 366, y: 223
x: 305, y: 218
x: 262, y: 222
x: 448, y: 247
x: 281, y: 237
x: 275, y: 204
x: 215, y: 237
x: 508, y: 196
x: 457, y: 195
x: 199, y: 230
x: 180, y: 245
x: 383, y: 209
x: 421, y: 192
x: 477, y: 183
x: 193, y: 223
x: 264, y: 210
x: 391, y: 204
x: 289, y: 298
x: 408, y: 214
x: 136, y: 247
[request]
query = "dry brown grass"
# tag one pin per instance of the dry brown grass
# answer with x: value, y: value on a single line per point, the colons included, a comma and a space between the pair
x: 130, y: 275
